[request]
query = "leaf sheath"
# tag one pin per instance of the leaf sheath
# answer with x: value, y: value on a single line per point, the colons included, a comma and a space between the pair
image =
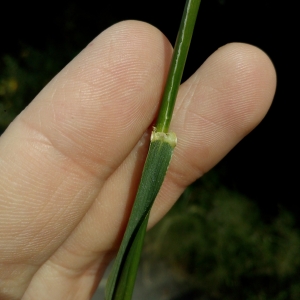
x: 122, y: 277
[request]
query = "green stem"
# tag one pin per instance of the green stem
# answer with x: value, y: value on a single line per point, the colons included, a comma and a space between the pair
x: 177, y: 65
x: 120, y: 283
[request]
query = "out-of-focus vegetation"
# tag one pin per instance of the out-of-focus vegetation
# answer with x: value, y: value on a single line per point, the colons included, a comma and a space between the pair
x: 218, y: 245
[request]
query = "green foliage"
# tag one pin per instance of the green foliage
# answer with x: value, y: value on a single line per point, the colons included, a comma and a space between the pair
x: 121, y: 280
x: 226, y: 251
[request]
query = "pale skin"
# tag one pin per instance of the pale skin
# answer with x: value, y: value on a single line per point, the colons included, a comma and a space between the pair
x: 71, y: 161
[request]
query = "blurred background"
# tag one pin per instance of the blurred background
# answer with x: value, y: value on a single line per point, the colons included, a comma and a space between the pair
x: 234, y: 234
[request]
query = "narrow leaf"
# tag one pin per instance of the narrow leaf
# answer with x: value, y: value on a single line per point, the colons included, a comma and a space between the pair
x: 122, y: 277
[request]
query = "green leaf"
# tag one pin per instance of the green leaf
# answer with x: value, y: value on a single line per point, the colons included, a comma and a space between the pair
x: 122, y: 277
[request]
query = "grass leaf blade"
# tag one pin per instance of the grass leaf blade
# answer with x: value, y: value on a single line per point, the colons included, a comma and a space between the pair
x: 121, y: 279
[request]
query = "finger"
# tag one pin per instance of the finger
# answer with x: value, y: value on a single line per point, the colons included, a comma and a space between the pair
x: 57, y: 154
x: 224, y: 100
x: 219, y: 105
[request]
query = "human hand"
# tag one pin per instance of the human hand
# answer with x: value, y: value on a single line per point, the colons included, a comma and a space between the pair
x: 70, y: 162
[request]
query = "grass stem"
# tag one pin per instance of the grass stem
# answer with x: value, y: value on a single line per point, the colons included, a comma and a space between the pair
x: 177, y: 65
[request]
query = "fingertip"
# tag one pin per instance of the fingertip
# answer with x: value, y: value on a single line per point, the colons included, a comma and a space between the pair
x: 251, y: 75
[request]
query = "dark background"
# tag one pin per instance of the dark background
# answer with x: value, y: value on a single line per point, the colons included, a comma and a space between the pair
x: 43, y: 38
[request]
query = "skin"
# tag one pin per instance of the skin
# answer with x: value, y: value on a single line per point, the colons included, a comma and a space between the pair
x: 70, y: 162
